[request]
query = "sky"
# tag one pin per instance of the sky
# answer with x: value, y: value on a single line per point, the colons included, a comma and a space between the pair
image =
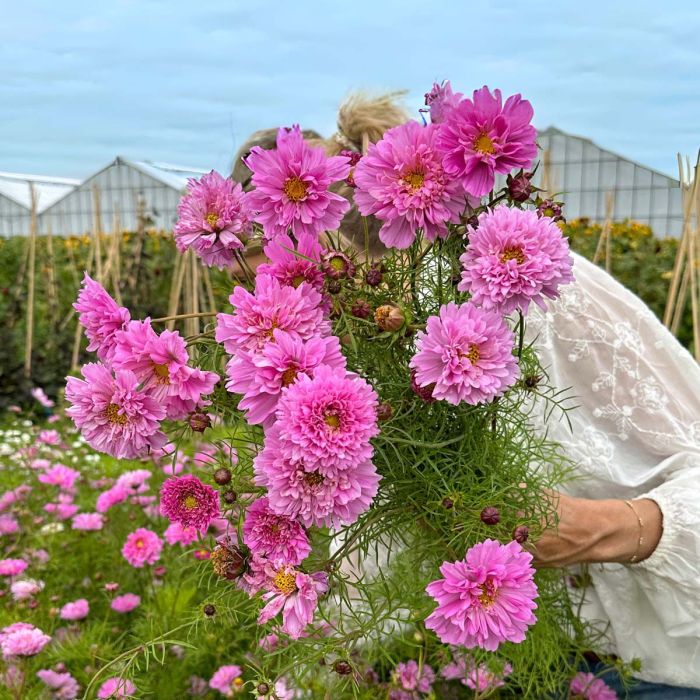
x: 186, y: 82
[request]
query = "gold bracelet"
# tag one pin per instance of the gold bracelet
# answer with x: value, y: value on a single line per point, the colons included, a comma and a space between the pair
x: 635, y: 557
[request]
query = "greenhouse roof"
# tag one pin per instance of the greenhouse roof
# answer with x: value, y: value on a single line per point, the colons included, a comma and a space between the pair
x: 16, y: 187
x: 173, y: 175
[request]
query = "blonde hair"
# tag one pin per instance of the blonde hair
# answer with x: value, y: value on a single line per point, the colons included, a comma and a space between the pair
x: 362, y: 120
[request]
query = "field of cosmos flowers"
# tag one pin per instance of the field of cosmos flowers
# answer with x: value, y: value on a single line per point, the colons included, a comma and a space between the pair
x: 329, y: 492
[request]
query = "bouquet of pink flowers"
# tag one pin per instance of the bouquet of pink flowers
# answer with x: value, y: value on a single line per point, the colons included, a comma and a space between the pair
x: 374, y: 463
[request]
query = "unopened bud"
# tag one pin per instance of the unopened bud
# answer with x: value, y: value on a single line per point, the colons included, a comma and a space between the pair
x: 222, y: 476
x: 448, y: 503
x: 342, y: 668
x: 333, y: 286
x: 263, y: 689
x: 384, y: 411
x: 424, y: 392
x: 490, y: 515
x: 374, y: 276
x: 228, y: 561
x: 389, y: 318
x: 521, y: 533
x: 199, y: 422
x: 209, y: 610
x: 230, y: 496
x: 519, y: 187
x: 361, y: 309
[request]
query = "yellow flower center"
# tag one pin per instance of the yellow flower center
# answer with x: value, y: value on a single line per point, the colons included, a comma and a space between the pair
x: 332, y: 420
x: 473, y: 355
x: 237, y: 683
x: 212, y: 219
x: 337, y: 263
x: 488, y: 594
x: 513, y: 253
x: 288, y: 376
x: 190, y: 502
x: 113, y: 415
x: 313, y: 479
x: 295, y: 189
x: 296, y: 281
x: 414, y: 180
x: 285, y: 582
x: 162, y: 373
x: 139, y: 544
x: 483, y: 144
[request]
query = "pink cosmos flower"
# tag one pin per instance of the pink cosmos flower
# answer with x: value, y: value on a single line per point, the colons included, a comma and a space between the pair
x: 410, y: 676
x: 262, y: 376
x: 291, y: 592
x: 49, y: 437
x: 160, y: 362
x: 293, y: 264
x: 88, y: 521
x: 77, y: 610
x: 126, y: 603
x: 441, y: 100
x: 213, y: 219
x: 64, y: 509
x: 274, y: 536
x: 26, y: 588
x: 116, y: 687
x: 514, y: 257
x: 188, y: 501
x: 227, y: 680
x: 467, y: 353
x: 175, y: 533
x: 483, y: 136
x: 327, y: 421
x: 62, y: 685
x: 60, y: 475
x: 113, y: 413
x: 280, y: 692
x: 111, y: 497
x: 40, y: 395
x: 134, y: 481
x: 142, y: 547
x: 291, y: 187
x: 12, y: 567
x: 585, y: 686
x: 100, y: 316
x: 402, y: 182
x: 477, y: 677
x: 22, y: 639
x: 486, y: 599
x: 296, y: 310
x: 330, y: 499
x: 8, y: 525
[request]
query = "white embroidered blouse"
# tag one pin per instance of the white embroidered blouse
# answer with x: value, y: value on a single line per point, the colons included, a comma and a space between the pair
x: 636, y: 433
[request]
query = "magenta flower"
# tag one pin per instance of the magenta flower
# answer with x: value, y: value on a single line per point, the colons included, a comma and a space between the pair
x: 26, y: 588
x: 110, y: 498
x: 49, y: 437
x: 467, y: 353
x: 126, y: 603
x: 60, y: 475
x: 297, y: 311
x: 291, y: 592
x: 64, y: 509
x: 113, y: 413
x: 441, y: 101
x: 100, y: 316
x: 485, y: 599
x: 188, y: 501
x: 134, y: 481
x: 483, y: 136
x: 330, y: 499
x: 276, y: 537
x: 261, y: 377
x: 142, y: 547
x: 8, y: 525
x: 291, y: 187
x: 77, y: 610
x: 585, y: 686
x: 12, y: 567
x: 293, y: 264
x: 227, y: 680
x: 88, y: 521
x: 402, y: 182
x: 160, y: 362
x: 410, y: 676
x: 514, y: 257
x: 22, y: 639
x: 114, y: 688
x: 62, y: 685
x: 213, y: 219
x: 175, y: 533
x: 480, y: 678
x: 327, y: 421
x: 40, y: 395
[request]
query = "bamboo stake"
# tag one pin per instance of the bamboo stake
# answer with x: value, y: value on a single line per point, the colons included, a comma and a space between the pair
x: 604, y: 240
x: 208, y: 288
x: 682, y: 300
x: 29, y: 337
x: 78, y: 328
x: 177, y: 317
x: 51, y: 275
x: 175, y: 290
x: 97, y: 231
x: 694, y: 269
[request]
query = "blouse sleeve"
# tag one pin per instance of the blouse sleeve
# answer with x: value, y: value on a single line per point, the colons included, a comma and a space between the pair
x: 636, y: 431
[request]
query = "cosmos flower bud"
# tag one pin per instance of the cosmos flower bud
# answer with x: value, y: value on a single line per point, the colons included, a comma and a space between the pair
x: 342, y: 668
x: 222, y: 476
x: 521, y: 533
x: 389, y: 317
x: 228, y: 561
x: 263, y: 689
x: 361, y: 309
x: 490, y: 515
x: 519, y: 187
x: 230, y: 496
x: 384, y: 411
x: 424, y: 392
x: 209, y: 610
x: 448, y: 503
x: 199, y: 422
x: 374, y: 276
x: 333, y: 286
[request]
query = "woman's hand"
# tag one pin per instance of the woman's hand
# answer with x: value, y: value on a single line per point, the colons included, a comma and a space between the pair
x: 605, y: 530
